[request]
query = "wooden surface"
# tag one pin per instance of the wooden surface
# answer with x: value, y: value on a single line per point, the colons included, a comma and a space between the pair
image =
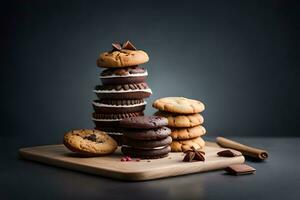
x: 111, y: 166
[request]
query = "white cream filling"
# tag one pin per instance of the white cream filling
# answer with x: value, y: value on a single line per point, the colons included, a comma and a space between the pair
x: 124, y: 91
x: 118, y: 106
x: 105, y: 120
x: 155, y: 148
x: 114, y: 133
x: 125, y: 76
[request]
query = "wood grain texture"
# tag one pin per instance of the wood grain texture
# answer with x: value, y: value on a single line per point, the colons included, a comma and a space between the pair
x: 111, y: 166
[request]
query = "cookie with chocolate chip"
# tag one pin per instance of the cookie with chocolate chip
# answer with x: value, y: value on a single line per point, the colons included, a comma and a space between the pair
x: 126, y: 91
x: 89, y: 142
x: 126, y: 75
x: 122, y: 58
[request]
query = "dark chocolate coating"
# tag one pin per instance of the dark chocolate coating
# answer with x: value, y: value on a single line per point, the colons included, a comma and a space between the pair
x: 147, y: 134
x: 106, y: 123
x: 124, y: 95
x: 123, y: 71
x: 144, y: 122
x: 121, y: 101
x: 123, y: 80
x: 134, y: 86
x: 117, y: 138
x: 146, y: 154
x: 147, y: 143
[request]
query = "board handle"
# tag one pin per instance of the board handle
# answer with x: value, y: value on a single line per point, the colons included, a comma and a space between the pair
x: 244, y: 149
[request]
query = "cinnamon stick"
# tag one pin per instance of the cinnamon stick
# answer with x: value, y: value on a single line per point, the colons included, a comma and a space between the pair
x: 244, y: 149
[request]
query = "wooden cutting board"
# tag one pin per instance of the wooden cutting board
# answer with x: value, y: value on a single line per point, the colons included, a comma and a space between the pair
x: 111, y: 166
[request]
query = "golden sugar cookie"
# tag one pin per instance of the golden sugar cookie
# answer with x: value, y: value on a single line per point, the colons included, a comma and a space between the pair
x: 181, y: 121
x: 184, y: 145
x: 187, y: 133
x: 179, y: 105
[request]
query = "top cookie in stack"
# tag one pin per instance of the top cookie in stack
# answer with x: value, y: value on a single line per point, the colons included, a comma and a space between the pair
x: 184, y: 120
x: 123, y: 88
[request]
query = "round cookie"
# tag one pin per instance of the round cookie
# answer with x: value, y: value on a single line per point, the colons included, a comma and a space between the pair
x: 179, y: 105
x: 147, y: 134
x: 126, y: 91
x: 146, y: 144
x: 144, y: 122
x: 181, y: 121
x: 187, y: 133
x: 116, y: 106
x: 122, y: 58
x: 127, y: 75
x: 184, y: 145
x: 160, y: 152
x: 112, y: 120
x: 89, y: 142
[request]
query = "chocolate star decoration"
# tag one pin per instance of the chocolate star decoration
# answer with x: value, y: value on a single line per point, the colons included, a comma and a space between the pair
x: 193, y: 155
x: 119, y: 47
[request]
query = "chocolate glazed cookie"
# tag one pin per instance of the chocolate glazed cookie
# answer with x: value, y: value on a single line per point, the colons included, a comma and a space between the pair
x: 120, y: 76
x: 126, y: 91
x: 119, y: 106
x: 147, y: 144
x: 147, y: 134
x: 145, y: 153
x: 145, y: 122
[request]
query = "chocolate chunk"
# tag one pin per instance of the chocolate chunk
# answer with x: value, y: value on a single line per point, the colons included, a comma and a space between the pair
x: 240, y: 169
x: 91, y: 137
x: 116, y: 46
x: 194, y: 155
x: 229, y: 153
x: 128, y: 45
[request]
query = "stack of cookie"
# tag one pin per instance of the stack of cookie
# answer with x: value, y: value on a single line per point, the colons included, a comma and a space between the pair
x: 184, y: 120
x: 146, y: 137
x: 123, y: 88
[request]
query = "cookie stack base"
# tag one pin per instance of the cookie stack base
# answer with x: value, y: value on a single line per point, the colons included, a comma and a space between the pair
x: 184, y: 120
x: 146, y: 153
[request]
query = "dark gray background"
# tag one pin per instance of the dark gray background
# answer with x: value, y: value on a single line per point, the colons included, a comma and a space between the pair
x: 239, y: 57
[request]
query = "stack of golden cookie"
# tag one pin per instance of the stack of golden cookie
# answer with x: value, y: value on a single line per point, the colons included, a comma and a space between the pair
x: 185, y: 121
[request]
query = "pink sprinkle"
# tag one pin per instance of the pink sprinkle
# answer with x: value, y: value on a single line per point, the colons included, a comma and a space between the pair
x: 128, y: 158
